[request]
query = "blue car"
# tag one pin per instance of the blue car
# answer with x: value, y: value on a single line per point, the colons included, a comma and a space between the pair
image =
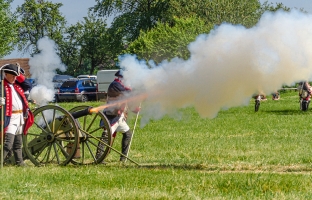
x: 32, y: 81
x: 77, y: 90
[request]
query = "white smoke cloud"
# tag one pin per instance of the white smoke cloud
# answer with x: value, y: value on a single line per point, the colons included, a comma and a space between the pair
x: 227, y: 66
x: 43, y: 67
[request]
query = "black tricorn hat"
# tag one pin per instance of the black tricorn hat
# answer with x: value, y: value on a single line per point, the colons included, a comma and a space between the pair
x: 119, y: 73
x: 11, y: 69
x: 22, y: 71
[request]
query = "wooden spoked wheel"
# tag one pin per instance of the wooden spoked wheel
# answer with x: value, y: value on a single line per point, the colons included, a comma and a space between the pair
x: 53, y: 138
x: 94, y: 131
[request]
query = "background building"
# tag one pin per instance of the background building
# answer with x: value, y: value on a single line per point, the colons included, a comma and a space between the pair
x: 22, y: 61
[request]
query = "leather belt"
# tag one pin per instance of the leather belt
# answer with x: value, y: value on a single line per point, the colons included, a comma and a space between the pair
x: 17, y: 111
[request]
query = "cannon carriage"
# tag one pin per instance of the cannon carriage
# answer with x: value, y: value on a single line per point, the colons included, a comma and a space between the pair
x: 62, y: 137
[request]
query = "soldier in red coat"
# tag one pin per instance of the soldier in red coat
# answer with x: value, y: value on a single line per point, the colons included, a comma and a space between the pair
x: 17, y: 116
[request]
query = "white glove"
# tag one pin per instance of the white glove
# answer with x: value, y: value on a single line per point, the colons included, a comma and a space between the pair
x: 2, y: 101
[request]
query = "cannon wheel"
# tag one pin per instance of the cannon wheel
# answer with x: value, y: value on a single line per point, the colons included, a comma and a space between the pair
x: 53, y: 138
x: 90, y: 149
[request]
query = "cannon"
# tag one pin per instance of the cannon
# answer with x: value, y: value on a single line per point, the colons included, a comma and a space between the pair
x: 78, y: 136
x: 60, y: 137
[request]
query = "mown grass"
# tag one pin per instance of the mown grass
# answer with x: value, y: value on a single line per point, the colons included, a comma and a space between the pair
x: 240, y: 154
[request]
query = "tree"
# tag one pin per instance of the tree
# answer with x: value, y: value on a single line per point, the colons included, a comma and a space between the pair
x: 70, y: 51
x: 8, y: 28
x: 85, y: 46
x: 165, y: 42
x: 38, y: 20
x: 136, y: 20
x: 93, y: 41
x: 133, y: 15
x: 270, y: 7
x: 244, y: 12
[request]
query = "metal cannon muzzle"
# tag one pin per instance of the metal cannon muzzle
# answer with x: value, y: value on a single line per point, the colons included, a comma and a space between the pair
x: 82, y: 113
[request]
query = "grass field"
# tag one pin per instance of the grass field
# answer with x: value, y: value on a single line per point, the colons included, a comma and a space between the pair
x: 240, y: 154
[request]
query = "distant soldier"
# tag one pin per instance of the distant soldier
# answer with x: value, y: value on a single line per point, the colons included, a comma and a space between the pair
x: 276, y: 96
x: 117, y: 113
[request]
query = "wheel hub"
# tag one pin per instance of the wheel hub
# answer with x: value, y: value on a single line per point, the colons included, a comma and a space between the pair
x: 50, y: 137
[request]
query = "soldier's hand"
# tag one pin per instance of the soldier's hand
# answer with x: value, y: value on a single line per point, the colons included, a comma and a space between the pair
x: 136, y: 110
x: 2, y: 101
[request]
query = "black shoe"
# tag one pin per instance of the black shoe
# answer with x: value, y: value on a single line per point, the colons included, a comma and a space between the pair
x: 102, y: 163
x: 21, y: 165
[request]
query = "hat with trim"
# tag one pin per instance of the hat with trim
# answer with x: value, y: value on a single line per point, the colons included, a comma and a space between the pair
x: 11, y: 69
x: 119, y: 73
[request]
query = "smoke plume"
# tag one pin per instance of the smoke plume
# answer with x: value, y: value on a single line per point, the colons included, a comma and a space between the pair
x: 226, y: 67
x: 43, y: 68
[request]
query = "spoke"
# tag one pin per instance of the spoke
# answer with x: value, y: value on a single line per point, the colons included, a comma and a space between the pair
x: 82, y: 131
x: 94, y: 143
x: 84, y: 122
x: 53, y: 121
x: 41, y: 128
x: 87, y: 144
x: 48, y: 153
x: 62, y: 149
x: 45, y: 120
x: 98, y: 147
x: 92, y: 122
x: 83, y: 151
x: 97, y: 139
x: 56, y: 153
x: 95, y: 130
x: 44, y: 156
x: 40, y: 151
x: 61, y: 123
x: 65, y: 140
x: 33, y: 134
x: 30, y: 146
x: 64, y: 131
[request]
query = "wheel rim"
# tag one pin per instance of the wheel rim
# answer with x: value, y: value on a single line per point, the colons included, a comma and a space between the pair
x: 90, y: 132
x: 53, y: 138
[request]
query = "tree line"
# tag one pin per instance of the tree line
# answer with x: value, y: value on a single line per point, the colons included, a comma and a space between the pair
x: 151, y: 29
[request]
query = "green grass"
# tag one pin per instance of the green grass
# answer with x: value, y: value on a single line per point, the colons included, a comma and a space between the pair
x: 240, y: 154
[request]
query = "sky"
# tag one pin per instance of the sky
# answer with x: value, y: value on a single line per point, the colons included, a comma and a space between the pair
x: 305, y: 4
x: 75, y: 10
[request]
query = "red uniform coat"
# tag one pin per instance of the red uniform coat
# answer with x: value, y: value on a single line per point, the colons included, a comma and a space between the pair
x: 8, y: 106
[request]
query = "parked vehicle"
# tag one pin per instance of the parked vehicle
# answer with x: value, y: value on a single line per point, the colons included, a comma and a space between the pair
x: 32, y: 81
x: 77, y: 90
x: 104, y: 78
x: 304, y: 95
x: 87, y: 76
x: 58, y: 80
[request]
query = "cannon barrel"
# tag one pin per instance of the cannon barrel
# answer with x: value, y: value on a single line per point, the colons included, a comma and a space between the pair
x: 81, y: 113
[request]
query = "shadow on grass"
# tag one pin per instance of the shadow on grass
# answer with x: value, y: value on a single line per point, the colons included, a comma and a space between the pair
x: 180, y: 166
x: 287, y: 112
x: 228, y: 169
